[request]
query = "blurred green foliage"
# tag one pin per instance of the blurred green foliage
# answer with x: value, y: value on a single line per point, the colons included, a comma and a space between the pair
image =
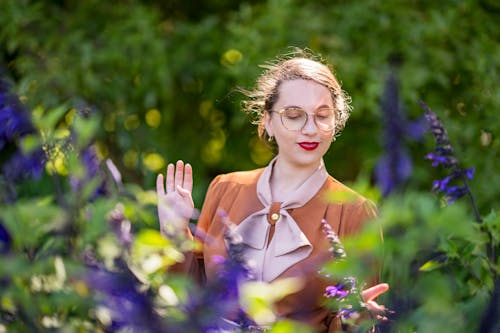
x: 163, y: 75
x: 160, y: 79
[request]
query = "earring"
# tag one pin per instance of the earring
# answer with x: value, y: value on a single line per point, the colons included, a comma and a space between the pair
x: 334, y: 138
x: 270, y: 138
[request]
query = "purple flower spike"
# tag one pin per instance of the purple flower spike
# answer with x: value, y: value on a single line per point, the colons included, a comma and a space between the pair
x: 220, y: 297
x: 346, y: 292
x: 336, y: 247
x: 131, y: 310
x: 444, y: 155
x: 395, y: 166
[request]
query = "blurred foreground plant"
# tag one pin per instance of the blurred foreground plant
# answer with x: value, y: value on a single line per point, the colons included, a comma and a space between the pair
x: 439, y: 257
x: 80, y: 249
x: 441, y: 266
x: 444, y: 155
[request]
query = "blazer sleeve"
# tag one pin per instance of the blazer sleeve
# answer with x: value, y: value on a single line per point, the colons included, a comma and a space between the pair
x: 354, y: 217
x: 210, y: 205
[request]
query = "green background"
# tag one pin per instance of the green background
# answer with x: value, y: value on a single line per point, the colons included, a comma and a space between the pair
x: 186, y: 61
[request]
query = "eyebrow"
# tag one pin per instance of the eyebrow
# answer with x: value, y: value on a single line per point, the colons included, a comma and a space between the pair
x: 299, y: 107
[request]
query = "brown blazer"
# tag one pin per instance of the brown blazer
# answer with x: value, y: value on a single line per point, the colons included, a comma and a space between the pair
x: 236, y: 194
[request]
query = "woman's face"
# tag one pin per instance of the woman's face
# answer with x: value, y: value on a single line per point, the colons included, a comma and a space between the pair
x: 305, y: 147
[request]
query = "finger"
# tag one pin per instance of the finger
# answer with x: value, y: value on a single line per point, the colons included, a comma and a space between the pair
x: 179, y: 173
x: 183, y: 192
x: 188, y: 178
x: 160, y: 188
x: 375, y: 308
x: 170, y: 178
x: 371, y: 293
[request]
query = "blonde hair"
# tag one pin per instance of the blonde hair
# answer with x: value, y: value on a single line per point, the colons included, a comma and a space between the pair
x: 292, y: 67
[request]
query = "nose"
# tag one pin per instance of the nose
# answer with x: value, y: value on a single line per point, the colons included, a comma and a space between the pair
x: 310, y: 127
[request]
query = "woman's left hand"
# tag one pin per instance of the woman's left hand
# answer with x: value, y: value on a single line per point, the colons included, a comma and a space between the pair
x: 370, y: 294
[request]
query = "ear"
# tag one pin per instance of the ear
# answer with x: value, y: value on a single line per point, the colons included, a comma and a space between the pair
x: 267, y: 123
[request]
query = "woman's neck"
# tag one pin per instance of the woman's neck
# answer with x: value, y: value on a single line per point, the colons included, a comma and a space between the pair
x: 286, y: 178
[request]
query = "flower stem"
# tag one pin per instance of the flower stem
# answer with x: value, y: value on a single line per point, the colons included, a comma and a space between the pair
x: 471, y: 198
x: 490, y: 315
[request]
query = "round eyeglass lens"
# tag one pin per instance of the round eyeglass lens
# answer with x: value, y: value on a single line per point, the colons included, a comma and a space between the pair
x: 294, y: 119
x: 325, y: 119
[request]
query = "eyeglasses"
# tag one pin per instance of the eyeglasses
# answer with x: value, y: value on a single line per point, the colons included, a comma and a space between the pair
x: 295, y: 118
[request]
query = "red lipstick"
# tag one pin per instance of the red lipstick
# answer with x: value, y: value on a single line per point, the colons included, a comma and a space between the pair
x: 309, y: 145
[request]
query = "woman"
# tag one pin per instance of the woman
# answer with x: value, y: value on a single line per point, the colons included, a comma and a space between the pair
x: 278, y: 210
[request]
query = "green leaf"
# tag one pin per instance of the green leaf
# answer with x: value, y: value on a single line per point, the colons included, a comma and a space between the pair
x: 46, y: 120
x: 430, y: 266
x: 492, y: 224
x: 86, y: 129
x: 258, y: 298
x: 151, y: 237
x: 290, y: 326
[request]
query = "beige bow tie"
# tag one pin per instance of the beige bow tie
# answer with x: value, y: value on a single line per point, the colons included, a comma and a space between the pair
x: 289, y: 244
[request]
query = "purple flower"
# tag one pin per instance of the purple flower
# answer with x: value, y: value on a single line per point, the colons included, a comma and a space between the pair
x: 21, y: 166
x: 345, y: 293
x: 336, y: 247
x: 15, y: 124
x: 438, y: 131
x: 14, y: 119
x: 392, y: 170
x: 219, y: 298
x: 236, y: 263
x: 5, y: 247
x: 121, y: 226
x: 346, y: 313
x: 5, y: 239
x: 455, y: 192
x: 92, y: 164
x: 90, y: 160
x: 444, y: 156
x: 395, y: 166
x: 338, y: 292
x: 217, y: 259
x: 441, y: 159
x: 130, y: 309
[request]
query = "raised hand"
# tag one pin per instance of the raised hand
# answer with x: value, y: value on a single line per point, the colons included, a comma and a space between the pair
x: 175, y: 203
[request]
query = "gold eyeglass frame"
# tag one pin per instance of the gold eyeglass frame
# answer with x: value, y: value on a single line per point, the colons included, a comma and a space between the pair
x: 281, y: 111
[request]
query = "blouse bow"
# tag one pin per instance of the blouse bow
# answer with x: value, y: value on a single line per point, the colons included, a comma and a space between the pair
x: 288, y: 244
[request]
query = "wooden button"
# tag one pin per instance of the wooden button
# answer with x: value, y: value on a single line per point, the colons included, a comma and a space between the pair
x: 275, y: 216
